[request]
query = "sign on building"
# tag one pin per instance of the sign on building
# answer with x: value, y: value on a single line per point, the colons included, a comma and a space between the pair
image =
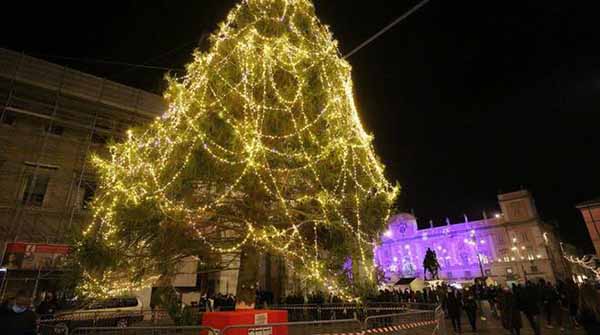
x: 34, y: 256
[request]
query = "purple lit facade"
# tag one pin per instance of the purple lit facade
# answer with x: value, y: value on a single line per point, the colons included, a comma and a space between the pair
x: 457, y: 247
x: 514, y: 246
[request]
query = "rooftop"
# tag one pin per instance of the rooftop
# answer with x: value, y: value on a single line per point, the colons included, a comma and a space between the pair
x: 589, y: 203
x: 40, y: 73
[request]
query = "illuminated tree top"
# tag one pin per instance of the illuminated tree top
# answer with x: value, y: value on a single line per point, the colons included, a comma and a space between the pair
x: 262, y: 145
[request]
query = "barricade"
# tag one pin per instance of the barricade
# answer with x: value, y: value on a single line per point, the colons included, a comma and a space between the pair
x: 297, y: 313
x: 409, y: 322
x: 50, y: 329
x: 349, y: 311
x: 422, y: 322
x: 193, y: 330
x: 331, y: 327
x: 440, y: 317
x: 139, y: 318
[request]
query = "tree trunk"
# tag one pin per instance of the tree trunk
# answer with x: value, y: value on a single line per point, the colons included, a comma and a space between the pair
x: 247, y: 278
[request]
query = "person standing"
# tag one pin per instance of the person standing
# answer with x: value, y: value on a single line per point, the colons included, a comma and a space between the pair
x: 550, y: 298
x: 509, y: 310
x: 470, y: 307
x: 572, y: 292
x: 529, y: 300
x: 589, y: 309
x: 454, y: 305
x: 17, y: 318
x: 47, y: 307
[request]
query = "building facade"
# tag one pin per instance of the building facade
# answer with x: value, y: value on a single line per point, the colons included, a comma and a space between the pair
x: 512, y: 246
x: 52, y: 119
x: 590, y: 210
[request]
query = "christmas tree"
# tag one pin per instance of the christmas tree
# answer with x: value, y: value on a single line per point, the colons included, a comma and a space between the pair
x: 261, y: 150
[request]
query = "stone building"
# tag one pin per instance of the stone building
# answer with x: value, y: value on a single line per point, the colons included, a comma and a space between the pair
x: 515, y: 245
x: 590, y: 210
x: 52, y: 119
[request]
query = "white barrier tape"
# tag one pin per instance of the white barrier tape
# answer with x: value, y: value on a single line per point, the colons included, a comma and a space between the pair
x: 403, y: 326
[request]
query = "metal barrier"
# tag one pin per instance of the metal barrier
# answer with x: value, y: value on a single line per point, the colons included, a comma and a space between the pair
x: 193, y: 330
x: 346, y: 327
x: 297, y: 313
x: 349, y: 311
x: 115, y: 318
x: 50, y: 329
x: 422, y: 322
x: 440, y: 317
x: 428, y: 322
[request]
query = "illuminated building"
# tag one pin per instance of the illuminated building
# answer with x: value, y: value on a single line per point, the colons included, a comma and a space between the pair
x: 590, y: 210
x: 514, y: 245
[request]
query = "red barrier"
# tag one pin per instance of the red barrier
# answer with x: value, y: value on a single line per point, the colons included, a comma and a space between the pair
x: 220, y: 320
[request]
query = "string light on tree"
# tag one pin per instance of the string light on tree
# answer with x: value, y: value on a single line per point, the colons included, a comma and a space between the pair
x: 261, y: 147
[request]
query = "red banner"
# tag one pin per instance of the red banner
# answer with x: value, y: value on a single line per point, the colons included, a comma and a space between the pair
x: 34, y: 256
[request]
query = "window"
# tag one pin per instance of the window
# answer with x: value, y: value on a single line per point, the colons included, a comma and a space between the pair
x: 516, y: 209
x: 524, y: 237
x: 509, y: 271
x: 98, y: 139
x: 89, y: 190
x: 35, y: 190
x: 55, y: 130
x: 534, y: 269
x: 129, y: 302
x: 9, y: 118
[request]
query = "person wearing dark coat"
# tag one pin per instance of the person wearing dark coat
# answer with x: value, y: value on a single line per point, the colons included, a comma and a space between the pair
x: 470, y: 307
x: 47, y: 307
x: 454, y: 305
x: 572, y: 293
x: 589, y: 309
x: 17, y: 319
x: 529, y: 299
x: 510, y: 313
x: 551, y: 306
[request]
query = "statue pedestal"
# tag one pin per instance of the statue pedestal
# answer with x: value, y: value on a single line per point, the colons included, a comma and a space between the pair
x: 253, y: 321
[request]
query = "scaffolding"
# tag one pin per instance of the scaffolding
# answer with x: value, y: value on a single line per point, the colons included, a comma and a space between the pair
x: 51, y: 119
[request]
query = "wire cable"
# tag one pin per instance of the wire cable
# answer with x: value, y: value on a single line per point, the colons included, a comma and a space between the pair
x: 103, y: 61
x: 386, y: 28
x: 154, y: 67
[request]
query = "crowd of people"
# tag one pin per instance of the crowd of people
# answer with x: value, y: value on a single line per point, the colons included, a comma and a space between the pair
x: 563, y: 305
x: 217, y: 302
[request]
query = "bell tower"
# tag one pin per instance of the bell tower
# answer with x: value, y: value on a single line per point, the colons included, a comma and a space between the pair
x: 518, y: 206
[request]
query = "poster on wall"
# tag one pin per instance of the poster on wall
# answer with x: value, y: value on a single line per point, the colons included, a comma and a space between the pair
x: 34, y: 256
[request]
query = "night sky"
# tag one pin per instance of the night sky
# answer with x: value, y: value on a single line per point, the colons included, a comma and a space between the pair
x: 465, y: 98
